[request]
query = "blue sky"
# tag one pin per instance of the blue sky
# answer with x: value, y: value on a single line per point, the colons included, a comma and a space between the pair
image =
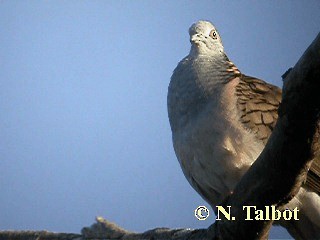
x: 83, y: 122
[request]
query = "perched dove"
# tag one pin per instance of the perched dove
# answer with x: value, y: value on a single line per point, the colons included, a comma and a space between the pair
x: 221, y: 120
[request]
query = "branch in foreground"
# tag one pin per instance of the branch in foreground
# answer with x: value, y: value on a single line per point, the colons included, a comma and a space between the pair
x: 281, y: 168
x: 37, y: 235
x: 273, y: 179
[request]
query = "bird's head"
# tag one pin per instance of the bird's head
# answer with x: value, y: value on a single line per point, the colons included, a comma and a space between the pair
x: 205, y: 39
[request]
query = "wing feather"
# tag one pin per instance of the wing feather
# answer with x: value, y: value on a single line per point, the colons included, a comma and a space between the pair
x: 258, y: 104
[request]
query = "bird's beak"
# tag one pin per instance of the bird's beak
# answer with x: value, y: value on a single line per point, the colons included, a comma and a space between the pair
x: 195, y: 38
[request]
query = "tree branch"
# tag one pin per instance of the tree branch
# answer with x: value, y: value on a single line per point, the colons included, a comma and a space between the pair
x: 278, y: 173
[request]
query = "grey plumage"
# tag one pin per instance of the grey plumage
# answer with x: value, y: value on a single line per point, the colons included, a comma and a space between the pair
x: 220, y: 121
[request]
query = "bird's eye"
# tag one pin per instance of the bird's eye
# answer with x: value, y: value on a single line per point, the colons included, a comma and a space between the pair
x: 213, y: 34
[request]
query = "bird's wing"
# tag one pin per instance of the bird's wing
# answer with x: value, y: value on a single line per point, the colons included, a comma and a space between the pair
x: 258, y: 103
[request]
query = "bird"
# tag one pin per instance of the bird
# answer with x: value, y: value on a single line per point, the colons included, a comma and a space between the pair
x: 221, y: 120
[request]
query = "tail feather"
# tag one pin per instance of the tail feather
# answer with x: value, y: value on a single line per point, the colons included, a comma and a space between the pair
x: 302, y: 229
x: 308, y: 225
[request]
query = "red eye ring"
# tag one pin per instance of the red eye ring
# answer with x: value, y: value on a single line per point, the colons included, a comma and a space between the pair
x: 213, y: 34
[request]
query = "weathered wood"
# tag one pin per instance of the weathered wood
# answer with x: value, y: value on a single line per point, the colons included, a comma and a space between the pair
x: 278, y: 173
x: 37, y: 235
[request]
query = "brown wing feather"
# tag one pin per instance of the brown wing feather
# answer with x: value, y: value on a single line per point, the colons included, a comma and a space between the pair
x: 258, y: 104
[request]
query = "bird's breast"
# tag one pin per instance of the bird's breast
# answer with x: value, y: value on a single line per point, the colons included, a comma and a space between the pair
x: 213, y: 149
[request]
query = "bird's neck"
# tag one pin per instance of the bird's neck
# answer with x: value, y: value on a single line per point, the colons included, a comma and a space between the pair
x: 215, y: 69
x: 197, y: 51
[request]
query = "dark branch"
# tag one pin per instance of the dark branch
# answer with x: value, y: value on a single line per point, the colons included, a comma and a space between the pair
x: 281, y: 168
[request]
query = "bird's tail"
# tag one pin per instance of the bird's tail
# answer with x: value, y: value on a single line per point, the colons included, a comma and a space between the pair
x: 302, y: 229
x: 308, y: 225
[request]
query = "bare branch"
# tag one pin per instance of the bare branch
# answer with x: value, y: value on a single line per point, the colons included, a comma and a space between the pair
x: 281, y: 168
